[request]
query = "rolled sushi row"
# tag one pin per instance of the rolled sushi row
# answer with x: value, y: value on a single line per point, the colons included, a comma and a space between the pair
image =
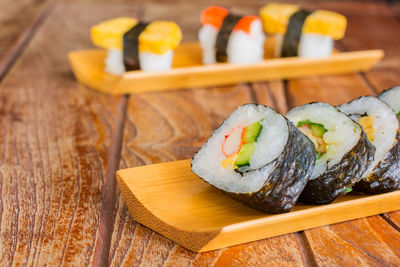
x: 223, y: 37
x: 314, y: 154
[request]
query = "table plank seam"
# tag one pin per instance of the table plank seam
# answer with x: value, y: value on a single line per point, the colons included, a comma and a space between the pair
x: 289, y: 102
x: 24, y: 40
x: 368, y: 83
x: 109, y: 194
x: 253, y: 95
x: 305, y: 249
x: 390, y: 222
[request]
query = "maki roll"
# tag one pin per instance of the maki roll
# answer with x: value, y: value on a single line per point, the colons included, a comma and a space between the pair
x: 257, y: 157
x: 226, y: 37
x: 382, y: 128
x: 300, y: 32
x: 134, y: 45
x: 392, y: 98
x: 343, y: 152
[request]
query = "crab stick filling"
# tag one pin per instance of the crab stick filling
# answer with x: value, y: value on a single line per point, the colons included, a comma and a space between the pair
x: 215, y: 15
x: 239, y: 145
x: 315, y: 132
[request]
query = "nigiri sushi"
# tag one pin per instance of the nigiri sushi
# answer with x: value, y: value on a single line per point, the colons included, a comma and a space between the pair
x: 227, y: 37
x: 300, y: 32
x: 134, y: 45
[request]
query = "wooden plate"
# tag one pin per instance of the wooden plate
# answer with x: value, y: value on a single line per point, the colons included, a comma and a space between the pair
x: 187, y: 71
x: 174, y: 202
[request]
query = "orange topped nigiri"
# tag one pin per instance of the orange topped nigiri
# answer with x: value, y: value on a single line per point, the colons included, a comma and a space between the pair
x: 227, y: 37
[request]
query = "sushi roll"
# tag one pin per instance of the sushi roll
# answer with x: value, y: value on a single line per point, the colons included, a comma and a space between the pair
x: 300, y: 32
x: 382, y: 128
x: 257, y: 157
x: 392, y: 98
x: 343, y: 152
x: 134, y: 45
x: 226, y: 37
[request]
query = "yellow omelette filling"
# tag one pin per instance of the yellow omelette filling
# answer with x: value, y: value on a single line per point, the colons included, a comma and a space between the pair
x: 275, y: 18
x: 229, y: 161
x: 108, y: 34
x: 367, y: 124
x: 158, y: 37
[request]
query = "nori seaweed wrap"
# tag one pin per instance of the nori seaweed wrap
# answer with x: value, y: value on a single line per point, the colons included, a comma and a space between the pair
x: 382, y: 128
x: 291, y: 39
x: 303, y: 33
x: 257, y: 157
x: 131, y: 46
x: 342, y: 149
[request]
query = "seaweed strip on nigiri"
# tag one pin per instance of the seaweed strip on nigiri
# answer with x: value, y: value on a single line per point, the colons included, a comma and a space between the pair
x: 299, y: 32
x: 134, y: 45
x: 227, y: 37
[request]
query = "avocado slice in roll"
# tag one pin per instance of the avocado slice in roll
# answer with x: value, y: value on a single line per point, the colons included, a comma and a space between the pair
x: 342, y: 149
x: 257, y: 157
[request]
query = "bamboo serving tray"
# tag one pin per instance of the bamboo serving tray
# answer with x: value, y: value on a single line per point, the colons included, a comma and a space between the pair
x: 188, y: 71
x: 174, y: 202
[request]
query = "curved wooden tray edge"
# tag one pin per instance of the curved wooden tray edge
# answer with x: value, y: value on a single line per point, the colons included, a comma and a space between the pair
x: 237, y: 224
x: 88, y: 66
x: 194, y: 241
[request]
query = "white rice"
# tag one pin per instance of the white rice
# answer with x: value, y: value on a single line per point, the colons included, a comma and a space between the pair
x: 242, y: 47
x: 115, y: 62
x: 156, y: 62
x: 270, y: 144
x: 315, y: 46
x: 148, y: 61
x: 246, y: 48
x: 207, y: 38
x: 392, y: 98
x: 310, y: 45
x: 385, y: 124
x: 342, y: 135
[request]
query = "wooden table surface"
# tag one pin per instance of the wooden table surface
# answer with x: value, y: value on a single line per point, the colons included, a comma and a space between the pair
x: 61, y: 143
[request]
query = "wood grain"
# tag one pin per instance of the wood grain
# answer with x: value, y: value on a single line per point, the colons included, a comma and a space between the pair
x: 385, y: 31
x: 169, y: 126
x: 347, y: 243
x: 171, y: 200
x: 18, y: 20
x: 55, y: 139
x: 139, y: 149
x: 368, y: 241
x: 54, y: 144
x: 337, y: 241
